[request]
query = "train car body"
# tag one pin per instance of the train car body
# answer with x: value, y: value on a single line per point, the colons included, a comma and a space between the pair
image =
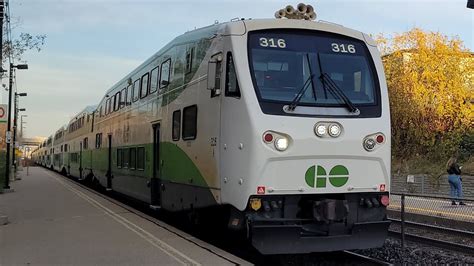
x: 285, y: 122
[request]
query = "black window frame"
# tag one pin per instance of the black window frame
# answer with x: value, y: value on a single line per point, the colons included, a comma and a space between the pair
x: 184, y: 132
x: 138, y: 82
x: 157, y: 71
x: 132, y: 158
x: 176, y: 135
x: 98, y: 140
x: 189, y: 60
x: 85, y: 144
x: 117, y: 101
x: 144, y: 90
x: 126, y: 154
x: 123, y: 98
x: 119, y: 158
x: 107, y: 103
x: 140, y: 164
x: 129, y: 94
x: 227, y: 93
x: 168, y: 61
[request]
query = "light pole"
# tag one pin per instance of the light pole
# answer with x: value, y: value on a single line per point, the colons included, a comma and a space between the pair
x: 15, y: 123
x: 21, y: 124
x: 9, y: 125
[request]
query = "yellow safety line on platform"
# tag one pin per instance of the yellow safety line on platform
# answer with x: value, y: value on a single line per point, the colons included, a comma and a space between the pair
x: 433, y: 211
x: 169, y: 250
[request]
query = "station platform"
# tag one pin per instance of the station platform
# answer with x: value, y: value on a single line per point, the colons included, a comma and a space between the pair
x: 53, y: 221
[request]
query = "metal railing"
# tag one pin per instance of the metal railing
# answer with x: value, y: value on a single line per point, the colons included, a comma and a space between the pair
x: 432, y: 214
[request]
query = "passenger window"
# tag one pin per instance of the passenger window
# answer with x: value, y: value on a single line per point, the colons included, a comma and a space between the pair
x: 189, y: 60
x: 123, y: 98
x: 86, y: 143
x: 165, y: 74
x: 129, y: 94
x: 154, y: 80
x: 119, y: 158
x: 107, y: 103
x: 231, y: 84
x: 144, y: 86
x: 176, y: 124
x: 141, y: 158
x: 133, y: 158
x: 125, y: 155
x: 189, y: 122
x: 117, y: 101
x: 136, y: 90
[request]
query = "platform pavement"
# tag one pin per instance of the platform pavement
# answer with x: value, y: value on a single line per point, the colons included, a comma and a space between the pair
x: 53, y: 221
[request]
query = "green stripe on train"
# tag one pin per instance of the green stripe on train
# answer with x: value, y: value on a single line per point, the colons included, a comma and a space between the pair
x: 177, y: 166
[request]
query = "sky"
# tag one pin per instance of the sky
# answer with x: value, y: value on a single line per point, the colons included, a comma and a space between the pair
x: 92, y: 44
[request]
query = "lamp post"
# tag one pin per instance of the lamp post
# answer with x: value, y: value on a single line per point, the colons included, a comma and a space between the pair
x: 9, y: 125
x: 21, y: 124
x: 15, y: 124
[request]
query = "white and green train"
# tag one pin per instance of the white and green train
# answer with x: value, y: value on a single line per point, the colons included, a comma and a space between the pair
x: 283, y: 122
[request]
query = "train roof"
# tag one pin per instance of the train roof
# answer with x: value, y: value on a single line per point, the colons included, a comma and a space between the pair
x: 239, y: 27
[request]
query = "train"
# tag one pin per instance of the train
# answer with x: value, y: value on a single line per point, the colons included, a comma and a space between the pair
x: 284, y: 123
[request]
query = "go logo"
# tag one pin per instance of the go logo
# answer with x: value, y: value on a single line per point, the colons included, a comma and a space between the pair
x: 317, y: 177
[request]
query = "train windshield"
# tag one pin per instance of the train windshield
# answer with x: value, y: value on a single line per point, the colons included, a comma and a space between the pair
x: 285, y: 64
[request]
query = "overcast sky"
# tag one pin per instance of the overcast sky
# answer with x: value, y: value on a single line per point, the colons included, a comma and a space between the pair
x: 91, y: 44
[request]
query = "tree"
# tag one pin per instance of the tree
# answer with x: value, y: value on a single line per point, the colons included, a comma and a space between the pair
x: 17, y: 47
x: 430, y: 78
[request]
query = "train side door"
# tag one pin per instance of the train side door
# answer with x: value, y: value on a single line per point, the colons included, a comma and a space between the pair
x: 109, y: 164
x: 155, y: 181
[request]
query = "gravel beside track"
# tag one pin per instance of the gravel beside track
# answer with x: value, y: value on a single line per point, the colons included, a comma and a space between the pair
x: 416, y: 254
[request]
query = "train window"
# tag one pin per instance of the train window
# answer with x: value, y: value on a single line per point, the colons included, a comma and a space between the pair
x: 144, y: 86
x: 125, y: 158
x: 136, y: 90
x: 189, y: 122
x: 86, y: 143
x: 141, y: 158
x: 231, y: 84
x: 62, y: 148
x: 133, y: 158
x: 176, y: 124
x: 107, y: 106
x: 117, y: 101
x: 98, y: 140
x: 129, y: 94
x: 189, y: 60
x: 119, y: 158
x: 154, y: 80
x: 65, y: 147
x: 165, y: 74
x: 123, y: 98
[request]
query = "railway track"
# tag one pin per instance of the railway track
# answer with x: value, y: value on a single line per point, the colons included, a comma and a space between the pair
x: 365, y: 260
x: 438, y: 238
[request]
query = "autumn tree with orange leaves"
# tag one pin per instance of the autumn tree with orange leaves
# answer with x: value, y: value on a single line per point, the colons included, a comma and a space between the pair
x: 430, y: 80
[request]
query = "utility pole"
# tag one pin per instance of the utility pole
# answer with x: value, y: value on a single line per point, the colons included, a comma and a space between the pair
x: 7, y: 159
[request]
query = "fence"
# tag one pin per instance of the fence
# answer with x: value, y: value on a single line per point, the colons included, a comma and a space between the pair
x: 432, y: 209
x: 425, y: 185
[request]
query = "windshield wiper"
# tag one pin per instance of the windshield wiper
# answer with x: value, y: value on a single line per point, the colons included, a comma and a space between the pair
x: 337, y: 92
x: 300, y: 94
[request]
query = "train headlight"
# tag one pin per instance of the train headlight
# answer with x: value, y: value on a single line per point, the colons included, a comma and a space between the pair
x: 321, y: 130
x: 369, y: 144
x: 334, y: 130
x: 281, y: 143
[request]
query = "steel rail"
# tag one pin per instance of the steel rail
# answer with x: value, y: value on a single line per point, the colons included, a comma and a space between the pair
x: 436, y: 227
x: 434, y: 242
x: 366, y: 259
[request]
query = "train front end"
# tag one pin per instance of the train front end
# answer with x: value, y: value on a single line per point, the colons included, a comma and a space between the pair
x: 306, y: 158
